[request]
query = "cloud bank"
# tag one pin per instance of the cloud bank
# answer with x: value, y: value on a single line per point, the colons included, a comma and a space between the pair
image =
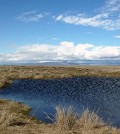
x: 64, y: 51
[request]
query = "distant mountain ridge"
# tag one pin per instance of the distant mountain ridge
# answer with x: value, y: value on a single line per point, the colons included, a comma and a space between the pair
x: 67, y: 63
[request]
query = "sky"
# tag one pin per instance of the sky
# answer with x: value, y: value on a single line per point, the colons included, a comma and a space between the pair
x: 47, y: 30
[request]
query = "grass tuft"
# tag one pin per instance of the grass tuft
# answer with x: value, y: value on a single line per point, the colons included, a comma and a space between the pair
x: 89, y: 119
x: 65, y: 118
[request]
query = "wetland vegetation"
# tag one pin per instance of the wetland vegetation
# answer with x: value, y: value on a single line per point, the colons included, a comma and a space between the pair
x: 9, y: 73
x: 14, y: 116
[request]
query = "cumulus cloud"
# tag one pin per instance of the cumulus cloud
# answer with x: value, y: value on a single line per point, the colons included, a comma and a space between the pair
x: 108, y: 17
x: 32, y: 16
x: 64, y: 51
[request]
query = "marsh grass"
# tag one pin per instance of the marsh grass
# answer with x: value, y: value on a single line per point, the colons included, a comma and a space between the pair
x: 90, y: 119
x: 6, y: 116
x: 14, y: 121
x: 67, y: 119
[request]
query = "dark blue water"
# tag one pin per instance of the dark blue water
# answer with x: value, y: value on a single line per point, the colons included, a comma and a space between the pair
x: 98, y: 94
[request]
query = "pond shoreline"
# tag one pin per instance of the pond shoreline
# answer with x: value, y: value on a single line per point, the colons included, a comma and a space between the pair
x: 10, y: 73
x: 18, y: 122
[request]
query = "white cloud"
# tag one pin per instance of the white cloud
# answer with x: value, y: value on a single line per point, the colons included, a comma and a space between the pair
x: 64, y: 51
x: 112, y: 6
x: 32, y: 16
x: 117, y: 36
x: 59, y: 17
x: 108, y: 17
x: 99, y: 20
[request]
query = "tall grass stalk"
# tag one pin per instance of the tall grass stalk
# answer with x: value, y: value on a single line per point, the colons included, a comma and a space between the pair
x: 65, y: 118
x: 89, y: 119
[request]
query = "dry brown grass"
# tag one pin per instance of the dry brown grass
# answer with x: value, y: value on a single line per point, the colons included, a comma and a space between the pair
x: 89, y: 119
x: 65, y: 118
x: 14, y: 120
x: 68, y: 122
x: 6, y: 117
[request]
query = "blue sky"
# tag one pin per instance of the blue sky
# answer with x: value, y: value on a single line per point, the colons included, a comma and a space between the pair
x: 43, y: 30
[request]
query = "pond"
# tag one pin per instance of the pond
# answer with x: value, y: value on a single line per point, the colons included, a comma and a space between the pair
x: 98, y: 94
